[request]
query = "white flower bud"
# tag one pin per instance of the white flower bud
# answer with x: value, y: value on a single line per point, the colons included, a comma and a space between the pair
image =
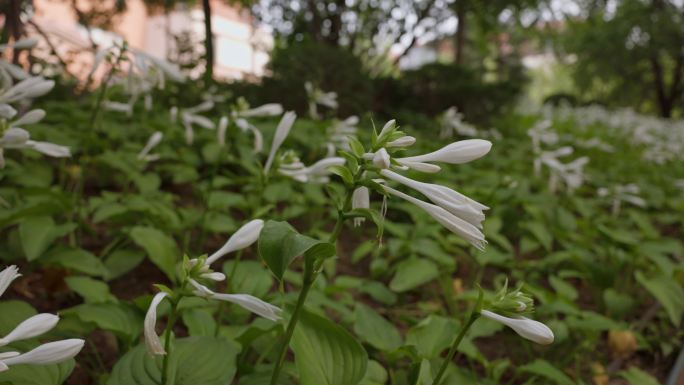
x: 152, y: 340
x: 244, y: 237
x: 381, y: 159
x: 46, y: 354
x: 532, y: 330
x: 31, y: 327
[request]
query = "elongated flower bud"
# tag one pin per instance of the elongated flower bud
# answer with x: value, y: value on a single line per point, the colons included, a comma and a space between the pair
x: 31, y: 327
x: 152, y: 340
x: 244, y: 237
x: 7, y: 275
x: 451, y: 200
x: 14, y: 138
x: 31, y: 117
x: 387, y: 129
x: 246, y: 301
x: 360, y: 200
x: 50, y: 149
x: 281, y: 133
x: 532, y: 330
x: 381, y: 159
x: 152, y: 142
x: 404, y: 141
x: 455, y: 153
x: 453, y: 223
x: 221, y: 132
x: 46, y: 354
x: 270, y: 109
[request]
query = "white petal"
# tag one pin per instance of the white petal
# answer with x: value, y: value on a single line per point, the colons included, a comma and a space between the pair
x: 31, y: 327
x: 360, y: 200
x: 6, y: 111
x: 244, y: 237
x: 15, y: 137
x: 532, y: 330
x: 281, y: 133
x: 152, y: 340
x: 251, y: 303
x: 420, y: 166
x: 50, y: 149
x: 404, y: 141
x: 381, y: 159
x: 214, y: 276
x: 455, y: 153
x: 49, y: 353
x: 152, y: 142
x: 271, y: 109
x: 387, y: 128
x: 31, y: 117
x: 9, y: 274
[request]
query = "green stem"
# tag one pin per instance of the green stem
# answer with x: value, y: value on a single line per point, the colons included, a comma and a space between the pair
x: 452, y: 351
x: 309, y: 278
x: 310, y: 274
x: 167, y: 342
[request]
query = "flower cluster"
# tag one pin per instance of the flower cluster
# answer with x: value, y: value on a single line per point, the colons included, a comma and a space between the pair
x: 199, y: 270
x: 510, y: 308
x: 318, y: 97
x: 45, y: 354
x: 12, y: 135
x: 622, y: 193
x: 455, y: 211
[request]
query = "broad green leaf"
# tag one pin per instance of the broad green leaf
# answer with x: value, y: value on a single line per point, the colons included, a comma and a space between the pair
x: 161, y: 248
x: 38, y: 233
x: 13, y: 313
x: 544, y: 369
x: 412, y: 273
x: 200, y: 322
x: 668, y: 292
x: 432, y: 335
x: 376, y: 330
x: 636, y: 376
x: 375, y: 374
x: 248, y: 277
x: 194, y: 361
x: 326, y: 354
x: 280, y: 243
x: 92, y: 290
x: 54, y: 374
x: 120, y: 319
x: 541, y: 233
x: 121, y: 261
x: 76, y: 259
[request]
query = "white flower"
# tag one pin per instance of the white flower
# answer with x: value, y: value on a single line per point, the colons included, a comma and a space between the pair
x: 126, y: 108
x: 453, y: 223
x: 404, y: 141
x: 152, y: 340
x: 31, y: 327
x: 316, y: 173
x: 221, y: 131
x: 281, y: 133
x: 360, y: 200
x: 18, y: 138
x: 459, y: 152
x: 451, y: 200
x: 246, y: 301
x: 152, y: 142
x: 9, y: 274
x: 46, y: 354
x: 27, y: 89
x: 381, y: 159
x: 532, y: 330
x: 316, y: 96
x: 244, y: 237
x: 7, y: 111
x: 271, y: 109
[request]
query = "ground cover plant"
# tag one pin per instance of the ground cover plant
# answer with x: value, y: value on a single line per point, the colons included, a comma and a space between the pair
x: 156, y: 232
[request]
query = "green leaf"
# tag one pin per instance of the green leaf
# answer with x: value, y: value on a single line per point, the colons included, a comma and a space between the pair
x: 120, y: 319
x: 161, y: 248
x: 27, y: 374
x: 78, y: 260
x: 668, y: 292
x: 92, y: 291
x: 326, y: 354
x: 343, y: 173
x: 412, y: 273
x: 544, y: 369
x: 374, y: 329
x: 249, y: 277
x: 195, y: 361
x: 199, y: 322
x: 121, y: 262
x: 432, y: 335
x: 280, y: 243
x: 356, y: 146
x: 38, y: 233
x: 375, y: 374
x: 636, y: 376
x: 541, y: 233
x: 13, y: 313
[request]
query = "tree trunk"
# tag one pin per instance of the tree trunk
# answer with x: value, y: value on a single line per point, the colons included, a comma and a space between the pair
x: 208, y: 41
x: 461, y: 14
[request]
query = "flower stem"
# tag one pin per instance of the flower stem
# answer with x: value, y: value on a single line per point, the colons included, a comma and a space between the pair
x: 167, y: 343
x: 311, y: 270
x: 452, y: 351
x: 309, y: 278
